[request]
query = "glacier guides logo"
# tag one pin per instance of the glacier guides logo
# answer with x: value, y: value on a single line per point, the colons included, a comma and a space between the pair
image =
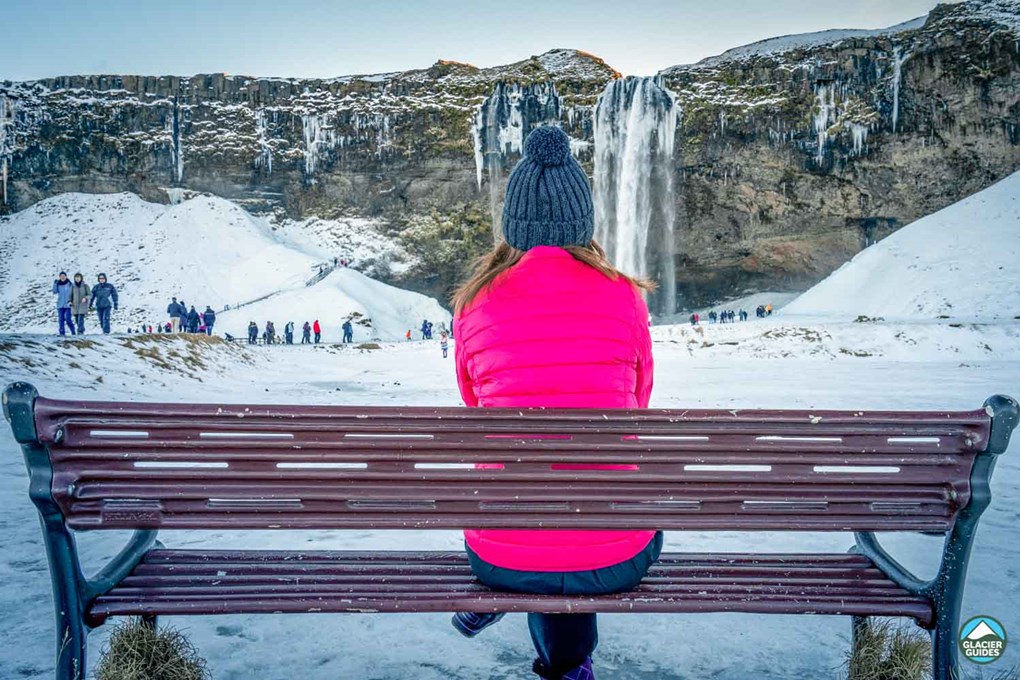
x: 982, y: 639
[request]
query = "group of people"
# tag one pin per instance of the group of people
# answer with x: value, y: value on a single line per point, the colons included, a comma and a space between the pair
x: 75, y: 299
x: 269, y: 336
x: 730, y: 316
x: 188, y: 320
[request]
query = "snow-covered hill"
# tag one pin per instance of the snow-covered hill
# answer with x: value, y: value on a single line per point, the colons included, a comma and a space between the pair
x: 962, y: 262
x: 204, y: 250
x: 345, y: 292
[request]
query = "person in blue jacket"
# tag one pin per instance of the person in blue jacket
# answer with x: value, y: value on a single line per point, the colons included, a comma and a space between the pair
x: 62, y: 289
x: 104, y: 297
x: 348, y: 331
x: 209, y: 319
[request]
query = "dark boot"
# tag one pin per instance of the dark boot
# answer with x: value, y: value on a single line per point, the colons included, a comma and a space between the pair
x: 470, y: 624
x: 582, y: 672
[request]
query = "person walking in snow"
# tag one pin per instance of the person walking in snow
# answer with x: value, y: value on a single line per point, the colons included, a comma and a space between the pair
x: 270, y: 333
x: 306, y: 334
x: 253, y: 333
x: 193, y: 319
x: 80, y: 292
x: 348, y: 329
x: 288, y: 332
x: 209, y: 319
x: 175, y: 311
x: 425, y: 329
x: 317, y: 329
x: 408, y: 335
x: 615, y: 367
x: 62, y: 289
x: 444, y: 342
x: 104, y: 299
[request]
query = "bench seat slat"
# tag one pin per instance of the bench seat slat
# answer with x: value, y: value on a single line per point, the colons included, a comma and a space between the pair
x: 220, y: 582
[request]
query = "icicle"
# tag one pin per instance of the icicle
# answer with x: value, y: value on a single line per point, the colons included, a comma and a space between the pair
x: 859, y: 133
x: 826, y: 106
x: 722, y: 122
x: 635, y: 127
x: 476, y: 135
x: 317, y: 137
x: 265, y: 157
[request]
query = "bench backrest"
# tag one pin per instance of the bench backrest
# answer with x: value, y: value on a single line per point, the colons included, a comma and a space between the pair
x: 136, y: 465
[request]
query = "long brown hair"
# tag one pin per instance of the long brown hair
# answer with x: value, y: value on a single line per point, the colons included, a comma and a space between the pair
x: 504, y: 256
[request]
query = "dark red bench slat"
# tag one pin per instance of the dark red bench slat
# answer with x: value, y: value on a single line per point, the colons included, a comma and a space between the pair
x: 102, y: 481
x: 198, y: 582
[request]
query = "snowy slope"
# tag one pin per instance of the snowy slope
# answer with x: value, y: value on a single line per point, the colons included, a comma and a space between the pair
x: 204, y: 250
x: 962, y: 262
x: 207, y: 251
x: 392, y: 311
x: 787, y: 43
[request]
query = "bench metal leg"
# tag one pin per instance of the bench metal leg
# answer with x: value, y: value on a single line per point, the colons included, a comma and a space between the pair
x: 859, y: 627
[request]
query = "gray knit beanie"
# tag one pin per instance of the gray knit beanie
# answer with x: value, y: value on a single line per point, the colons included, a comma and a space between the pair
x: 548, y: 199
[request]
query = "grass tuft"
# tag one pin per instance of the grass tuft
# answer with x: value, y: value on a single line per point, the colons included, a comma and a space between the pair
x: 138, y: 651
x: 889, y: 651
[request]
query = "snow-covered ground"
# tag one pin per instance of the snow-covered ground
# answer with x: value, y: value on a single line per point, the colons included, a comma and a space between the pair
x: 769, y: 363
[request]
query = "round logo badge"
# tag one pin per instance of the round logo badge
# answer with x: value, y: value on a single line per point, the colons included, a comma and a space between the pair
x: 982, y: 639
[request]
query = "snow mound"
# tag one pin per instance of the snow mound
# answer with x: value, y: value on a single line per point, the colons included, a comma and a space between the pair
x: 206, y: 251
x: 962, y: 262
x: 392, y: 311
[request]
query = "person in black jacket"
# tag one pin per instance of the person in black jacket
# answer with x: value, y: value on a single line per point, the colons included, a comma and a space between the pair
x: 193, y: 320
x: 306, y: 334
x: 209, y: 319
x: 104, y: 296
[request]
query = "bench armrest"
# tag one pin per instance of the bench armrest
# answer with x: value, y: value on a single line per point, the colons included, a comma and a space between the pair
x: 120, y: 566
x: 867, y: 544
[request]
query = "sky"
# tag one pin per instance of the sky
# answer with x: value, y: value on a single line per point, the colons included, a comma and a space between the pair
x: 326, y: 38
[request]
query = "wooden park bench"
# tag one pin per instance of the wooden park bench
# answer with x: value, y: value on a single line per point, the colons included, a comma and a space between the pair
x: 96, y: 465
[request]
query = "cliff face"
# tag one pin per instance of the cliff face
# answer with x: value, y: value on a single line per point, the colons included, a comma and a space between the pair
x: 362, y: 144
x: 790, y: 155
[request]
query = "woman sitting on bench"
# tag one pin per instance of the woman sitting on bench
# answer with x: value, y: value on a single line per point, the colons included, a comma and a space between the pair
x: 547, y: 321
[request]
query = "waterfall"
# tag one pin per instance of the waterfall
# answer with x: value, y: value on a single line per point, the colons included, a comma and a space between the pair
x: 4, y: 151
x: 635, y: 128
x: 501, y: 123
x: 178, y: 144
x: 898, y: 60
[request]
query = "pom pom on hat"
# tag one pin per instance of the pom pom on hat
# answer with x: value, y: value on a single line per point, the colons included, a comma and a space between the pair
x: 548, y: 146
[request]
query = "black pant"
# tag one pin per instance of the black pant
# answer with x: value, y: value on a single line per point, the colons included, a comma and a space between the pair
x: 104, y: 318
x: 564, y: 641
x: 79, y: 321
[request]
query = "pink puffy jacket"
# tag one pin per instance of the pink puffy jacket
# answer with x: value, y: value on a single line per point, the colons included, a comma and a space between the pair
x: 554, y: 332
